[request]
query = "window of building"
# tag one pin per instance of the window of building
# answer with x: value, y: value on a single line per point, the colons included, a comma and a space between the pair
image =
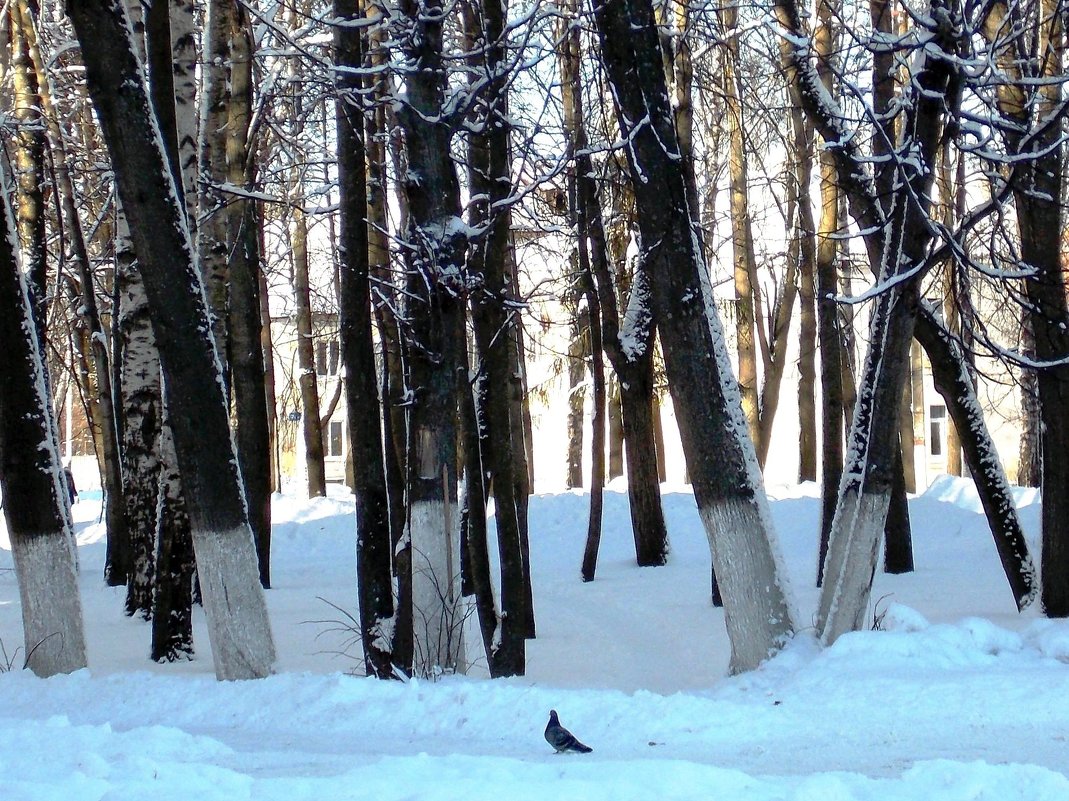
x: 333, y: 356
x: 937, y: 416
x: 321, y: 357
x: 328, y: 357
x: 335, y: 443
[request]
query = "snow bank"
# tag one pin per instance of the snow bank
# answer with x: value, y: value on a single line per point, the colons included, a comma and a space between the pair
x: 956, y: 697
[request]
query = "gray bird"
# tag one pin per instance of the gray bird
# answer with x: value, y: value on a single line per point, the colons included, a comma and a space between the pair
x: 561, y: 739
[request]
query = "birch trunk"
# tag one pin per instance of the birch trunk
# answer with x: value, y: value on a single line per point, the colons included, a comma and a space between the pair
x: 242, y: 645
x: 245, y: 326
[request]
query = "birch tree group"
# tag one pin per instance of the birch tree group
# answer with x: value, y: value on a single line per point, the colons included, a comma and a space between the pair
x: 835, y: 167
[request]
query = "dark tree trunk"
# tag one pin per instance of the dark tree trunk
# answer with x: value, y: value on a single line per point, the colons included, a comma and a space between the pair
x: 42, y: 540
x: 1030, y: 50
x: 374, y: 548
x: 633, y: 362
x: 102, y: 403
x: 720, y: 457
x: 578, y: 348
x: 643, y: 480
x: 597, y: 422
x: 1030, y: 458
x: 493, y: 317
x: 245, y: 355
x: 952, y: 380
x: 435, y: 312
x: 898, y: 539
x: 523, y: 434
x: 242, y: 645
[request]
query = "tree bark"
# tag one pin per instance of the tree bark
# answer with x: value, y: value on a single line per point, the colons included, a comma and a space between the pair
x: 720, y: 456
x: 745, y: 262
x: 306, y: 365
x: 38, y: 524
x: 103, y: 403
x: 242, y: 645
x: 252, y: 433
x: 437, y: 240
x: 374, y: 547
x: 493, y: 314
x: 172, y: 611
x: 629, y: 350
x: 28, y: 162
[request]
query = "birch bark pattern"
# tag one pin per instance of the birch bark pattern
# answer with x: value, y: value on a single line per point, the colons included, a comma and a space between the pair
x: 242, y: 645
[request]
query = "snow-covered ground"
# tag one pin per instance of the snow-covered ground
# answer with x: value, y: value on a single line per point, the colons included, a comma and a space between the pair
x: 956, y: 697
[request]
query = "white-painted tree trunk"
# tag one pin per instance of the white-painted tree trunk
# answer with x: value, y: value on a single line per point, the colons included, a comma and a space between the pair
x: 51, y: 606
x: 438, y: 607
x: 35, y: 498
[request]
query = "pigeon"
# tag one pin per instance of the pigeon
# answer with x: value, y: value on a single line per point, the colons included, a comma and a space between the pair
x: 561, y: 739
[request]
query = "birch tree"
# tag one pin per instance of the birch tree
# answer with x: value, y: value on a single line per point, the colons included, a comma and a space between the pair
x: 240, y: 634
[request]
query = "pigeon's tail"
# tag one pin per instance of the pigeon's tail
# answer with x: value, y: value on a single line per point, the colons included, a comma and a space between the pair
x: 581, y: 748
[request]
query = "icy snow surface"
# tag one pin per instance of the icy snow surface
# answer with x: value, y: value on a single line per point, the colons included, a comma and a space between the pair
x: 957, y: 697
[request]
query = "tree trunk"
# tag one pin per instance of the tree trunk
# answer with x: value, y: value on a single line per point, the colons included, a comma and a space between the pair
x: 172, y: 613
x: 28, y: 162
x: 615, y: 430
x: 807, y: 268
x: 522, y: 449
x: 438, y: 242
x: 384, y: 300
x: 42, y: 539
x: 310, y: 416
x: 833, y: 366
x: 1030, y: 462
x: 720, y: 457
x: 953, y: 381
x: 103, y: 402
x: 1030, y: 52
x: 374, y: 547
x: 242, y: 645
x: 141, y: 416
x: 578, y: 348
x: 252, y: 432
x: 897, y: 242
x: 630, y: 350
x: 745, y: 262
x: 597, y: 421
x: 211, y: 233
x: 493, y: 317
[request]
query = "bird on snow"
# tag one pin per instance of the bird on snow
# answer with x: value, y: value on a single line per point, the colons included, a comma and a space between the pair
x: 561, y: 739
